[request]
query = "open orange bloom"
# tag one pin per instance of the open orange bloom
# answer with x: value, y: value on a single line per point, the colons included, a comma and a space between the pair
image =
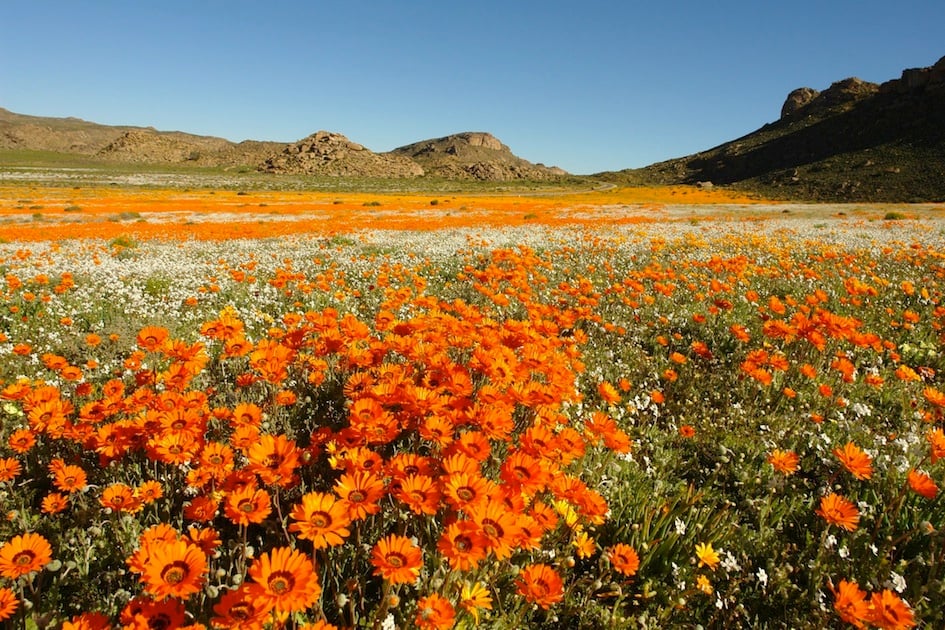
x: 420, y: 494
x: 855, y: 460
x: 922, y: 484
x: 284, y: 579
x: 837, y: 510
x: 274, y: 458
x: 397, y: 559
x: 361, y: 492
x: 24, y: 554
x: 120, y: 498
x: 785, y: 462
x: 174, y: 569
x: 67, y: 477
x: 540, y: 584
x: 936, y: 438
x: 436, y: 612
x: 238, y: 609
x: 850, y: 603
x: 8, y: 603
x: 247, y: 505
x: 321, y: 518
x: 887, y: 610
x: 624, y: 559
x: 152, y: 338
x: 499, y: 526
x: 463, y: 544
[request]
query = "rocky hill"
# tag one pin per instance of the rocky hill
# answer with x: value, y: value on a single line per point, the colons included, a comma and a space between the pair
x: 332, y: 154
x: 474, y: 155
x: 854, y: 141
x: 466, y: 156
x: 127, y: 144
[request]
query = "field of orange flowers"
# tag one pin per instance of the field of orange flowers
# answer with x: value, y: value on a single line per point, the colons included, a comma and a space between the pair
x: 619, y: 409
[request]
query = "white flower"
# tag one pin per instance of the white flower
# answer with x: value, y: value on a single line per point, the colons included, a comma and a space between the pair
x: 729, y: 563
x: 843, y: 552
x: 762, y: 576
x: 388, y: 623
x: 898, y: 582
x: 680, y: 526
x: 830, y: 541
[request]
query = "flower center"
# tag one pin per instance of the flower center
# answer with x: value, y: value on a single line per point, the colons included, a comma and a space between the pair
x: 281, y: 582
x: 396, y: 560
x: 23, y: 558
x: 356, y: 496
x: 175, y: 573
x: 465, y: 493
x: 320, y: 519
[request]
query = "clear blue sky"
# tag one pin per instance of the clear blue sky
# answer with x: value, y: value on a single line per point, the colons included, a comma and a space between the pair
x: 584, y: 85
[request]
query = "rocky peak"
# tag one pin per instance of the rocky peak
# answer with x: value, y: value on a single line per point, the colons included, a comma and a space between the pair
x: 328, y: 153
x: 797, y: 99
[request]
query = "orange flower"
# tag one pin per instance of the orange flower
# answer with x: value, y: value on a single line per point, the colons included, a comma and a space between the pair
x: 608, y: 393
x: 936, y: 439
x: 687, y: 431
x: 67, y: 477
x: 624, y: 559
x: 239, y: 609
x: 54, y: 503
x: 360, y: 492
x: 499, y: 525
x: 283, y: 579
x: 247, y: 505
x: 464, y: 490
x: 463, y: 544
x: 8, y: 603
x: 434, y: 611
x: 24, y: 554
x: 850, y: 603
x: 922, y: 484
x: 88, y: 621
x: 837, y: 510
x: 887, y: 610
x: 321, y: 518
x: 420, y: 494
x: 397, y: 559
x: 10, y: 467
x: 120, y: 498
x: 274, y: 458
x: 934, y: 396
x: 855, y: 460
x: 541, y: 585
x: 22, y: 440
x: 785, y: 462
x: 174, y: 569
x: 152, y: 338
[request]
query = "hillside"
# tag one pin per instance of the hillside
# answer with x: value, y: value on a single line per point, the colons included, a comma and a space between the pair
x: 474, y: 155
x: 855, y: 141
x: 126, y: 144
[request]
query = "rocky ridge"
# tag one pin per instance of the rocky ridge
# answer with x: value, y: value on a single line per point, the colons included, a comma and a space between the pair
x: 327, y: 153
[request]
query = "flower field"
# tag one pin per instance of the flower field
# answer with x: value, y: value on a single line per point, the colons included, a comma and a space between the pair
x: 630, y: 408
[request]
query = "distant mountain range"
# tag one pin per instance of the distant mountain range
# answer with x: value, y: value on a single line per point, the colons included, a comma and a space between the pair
x: 469, y: 156
x: 854, y: 141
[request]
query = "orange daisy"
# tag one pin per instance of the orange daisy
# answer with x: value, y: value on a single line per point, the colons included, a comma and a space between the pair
x: 321, y: 518
x: 247, y: 505
x: 67, y: 477
x: 785, y: 462
x: 850, y: 603
x: 8, y: 603
x: 120, y: 498
x: 397, y: 559
x: 463, y: 544
x: 238, y: 609
x: 274, y: 458
x: 54, y: 503
x: 499, y: 526
x: 837, y: 510
x: 360, y: 491
x: 174, y: 569
x: 888, y: 610
x: 541, y: 585
x: 436, y: 612
x: 922, y: 484
x: 24, y: 554
x: 624, y: 559
x: 284, y: 579
x: 855, y: 460
x: 420, y: 494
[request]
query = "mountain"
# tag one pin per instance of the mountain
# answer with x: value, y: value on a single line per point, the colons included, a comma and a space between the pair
x: 854, y: 141
x: 474, y: 155
x: 332, y: 154
x: 468, y: 156
x: 126, y: 144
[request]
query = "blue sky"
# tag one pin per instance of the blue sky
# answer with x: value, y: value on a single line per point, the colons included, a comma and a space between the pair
x: 585, y: 85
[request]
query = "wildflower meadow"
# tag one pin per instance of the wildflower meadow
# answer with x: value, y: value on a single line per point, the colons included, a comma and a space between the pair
x: 297, y: 411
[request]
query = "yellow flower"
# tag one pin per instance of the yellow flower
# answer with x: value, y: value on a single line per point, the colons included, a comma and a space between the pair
x: 704, y: 585
x: 475, y: 597
x: 584, y: 545
x: 707, y: 555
